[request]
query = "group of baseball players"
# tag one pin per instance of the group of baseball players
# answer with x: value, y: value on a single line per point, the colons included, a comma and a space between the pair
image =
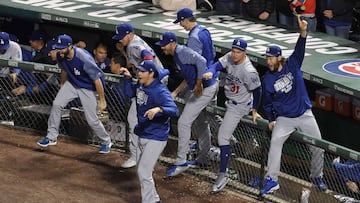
x: 281, y: 91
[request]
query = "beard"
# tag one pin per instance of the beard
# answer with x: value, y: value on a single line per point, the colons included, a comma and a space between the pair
x: 276, y: 67
x: 67, y: 53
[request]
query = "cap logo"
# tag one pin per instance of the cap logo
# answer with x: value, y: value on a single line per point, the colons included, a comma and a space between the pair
x: 59, y: 40
x: 161, y: 37
x: 2, y: 41
x: 238, y: 43
x: 116, y: 30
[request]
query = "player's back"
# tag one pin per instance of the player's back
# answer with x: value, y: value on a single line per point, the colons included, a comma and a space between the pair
x: 134, y: 49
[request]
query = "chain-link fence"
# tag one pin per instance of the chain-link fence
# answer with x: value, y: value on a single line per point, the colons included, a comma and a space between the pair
x: 27, y: 104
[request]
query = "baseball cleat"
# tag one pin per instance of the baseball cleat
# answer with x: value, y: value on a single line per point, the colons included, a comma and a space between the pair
x: 128, y: 163
x: 220, y: 182
x: 319, y: 182
x: 177, y: 169
x: 105, y: 148
x: 270, y: 186
x: 46, y: 142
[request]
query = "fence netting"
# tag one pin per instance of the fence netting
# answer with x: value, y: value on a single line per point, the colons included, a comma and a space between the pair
x: 27, y: 104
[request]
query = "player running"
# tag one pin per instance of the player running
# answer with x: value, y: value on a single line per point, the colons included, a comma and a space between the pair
x: 154, y: 106
x: 288, y: 108
x: 80, y: 77
x: 243, y: 90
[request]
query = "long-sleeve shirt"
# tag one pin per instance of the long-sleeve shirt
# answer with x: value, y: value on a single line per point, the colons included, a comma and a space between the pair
x: 154, y: 95
x: 285, y: 93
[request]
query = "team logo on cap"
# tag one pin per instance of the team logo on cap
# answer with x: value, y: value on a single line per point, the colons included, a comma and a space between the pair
x: 2, y: 41
x: 347, y: 68
x: 238, y: 43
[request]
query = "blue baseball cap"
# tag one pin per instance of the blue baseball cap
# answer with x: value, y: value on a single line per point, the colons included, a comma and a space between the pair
x: 122, y: 30
x: 4, y: 41
x: 147, y: 66
x: 63, y: 41
x: 50, y: 45
x: 239, y: 44
x: 38, y: 35
x: 166, y: 38
x: 273, y: 51
x: 183, y: 14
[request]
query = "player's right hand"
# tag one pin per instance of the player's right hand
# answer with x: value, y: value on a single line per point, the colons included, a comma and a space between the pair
x: 207, y: 76
x: 126, y: 72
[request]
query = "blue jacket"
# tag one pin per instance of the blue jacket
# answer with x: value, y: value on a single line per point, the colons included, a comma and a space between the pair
x: 81, y: 70
x: 285, y: 92
x: 154, y: 95
x: 192, y: 66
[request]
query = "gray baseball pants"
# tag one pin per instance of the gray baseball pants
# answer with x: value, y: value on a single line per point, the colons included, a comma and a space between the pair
x: 193, y: 107
x: 88, y: 100
x: 146, y: 157
x: 132, y: 120
x: 283, y: 128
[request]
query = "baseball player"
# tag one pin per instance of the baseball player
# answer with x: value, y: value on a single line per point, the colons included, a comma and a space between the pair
x: 288, y: 108
x: 349, y: 172
x: 199, y: 37
x: 243, y: 90
x: 198, y: 93
x: 9, y: 50
x: 137, y: 50
x: 80, y: 78
x: 200, y: 41
x: 154, y: 106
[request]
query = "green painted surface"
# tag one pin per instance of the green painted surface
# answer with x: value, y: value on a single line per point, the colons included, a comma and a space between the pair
x: 150, y: 21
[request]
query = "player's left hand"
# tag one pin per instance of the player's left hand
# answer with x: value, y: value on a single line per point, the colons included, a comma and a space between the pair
x: 272, y: 125
x: 198, y: 89
x: 152, y: 112
x: 255, y: 115
x: 302, y: 24
x: 101, y: 105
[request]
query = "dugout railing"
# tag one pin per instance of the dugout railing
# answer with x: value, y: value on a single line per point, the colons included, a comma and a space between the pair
x: 29, y: 108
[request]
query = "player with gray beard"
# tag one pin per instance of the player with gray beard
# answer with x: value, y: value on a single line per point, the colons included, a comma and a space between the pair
x: 137, y: 50
x: 288, y: 108
x: 243, y: 91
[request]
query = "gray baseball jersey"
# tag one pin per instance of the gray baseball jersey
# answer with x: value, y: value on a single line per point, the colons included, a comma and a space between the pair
x: 240, y: 79
x: 134, y: 49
